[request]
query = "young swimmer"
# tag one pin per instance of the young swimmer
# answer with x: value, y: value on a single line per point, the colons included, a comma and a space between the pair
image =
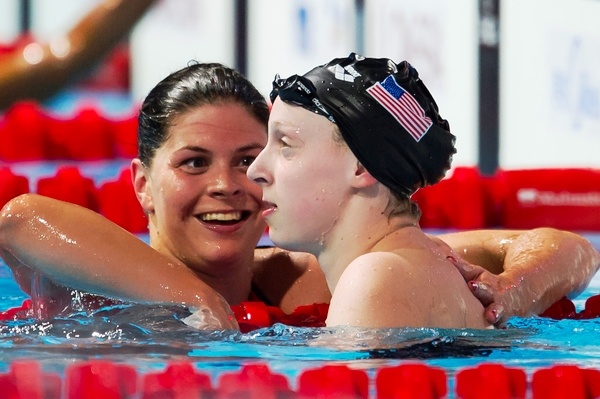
x: 349, y: 142
x: 199, y: 129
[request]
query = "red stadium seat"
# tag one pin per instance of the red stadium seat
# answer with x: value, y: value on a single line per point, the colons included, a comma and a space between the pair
x: 87, y: 136
x: 124, y: 136
x: 11, y: 185
x: 68, y: 184
x: 118, y: 203
x: 23, y: 133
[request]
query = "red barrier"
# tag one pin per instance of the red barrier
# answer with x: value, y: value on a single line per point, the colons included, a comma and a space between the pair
x: 253, y: 381
x: 124, y: 136
x: 29, y: 133
x: 566, y: 199
x: 565, y: 309
x: 180, y: 380
x: 11, y: 185
x: 254, y: 315
x: 68, y: 184
x: 17, y: 312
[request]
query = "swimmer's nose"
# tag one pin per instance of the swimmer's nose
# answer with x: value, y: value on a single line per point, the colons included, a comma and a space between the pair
x: 257, y: 171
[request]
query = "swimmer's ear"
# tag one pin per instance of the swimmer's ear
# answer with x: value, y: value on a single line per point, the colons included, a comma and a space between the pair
x: 141, y: 186
x: 362, y: 178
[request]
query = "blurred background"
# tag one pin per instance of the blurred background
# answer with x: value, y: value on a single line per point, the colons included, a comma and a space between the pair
x: 518, y: 80
x: 544, y: 56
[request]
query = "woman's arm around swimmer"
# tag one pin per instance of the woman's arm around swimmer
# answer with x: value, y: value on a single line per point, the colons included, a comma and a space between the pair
x: 60, y: 235
x: 523, y: 272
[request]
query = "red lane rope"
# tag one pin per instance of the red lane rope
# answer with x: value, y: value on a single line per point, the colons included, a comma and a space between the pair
x: 108, y: 380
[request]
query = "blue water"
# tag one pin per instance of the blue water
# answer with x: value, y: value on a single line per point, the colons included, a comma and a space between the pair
x: 149, y: 337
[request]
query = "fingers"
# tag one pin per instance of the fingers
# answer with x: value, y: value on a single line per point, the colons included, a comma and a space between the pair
x: 466, y: 269
x: 482, y: 292
x: 495, y: 315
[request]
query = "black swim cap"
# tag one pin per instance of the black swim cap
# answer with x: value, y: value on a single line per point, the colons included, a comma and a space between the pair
x: 385, y: 114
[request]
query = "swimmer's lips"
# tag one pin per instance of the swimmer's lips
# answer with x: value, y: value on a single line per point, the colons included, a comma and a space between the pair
x: 268, y: 208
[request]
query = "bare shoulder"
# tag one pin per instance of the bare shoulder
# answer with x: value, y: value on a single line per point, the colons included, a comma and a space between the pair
x: 378, y: 290
x: 415, y: 288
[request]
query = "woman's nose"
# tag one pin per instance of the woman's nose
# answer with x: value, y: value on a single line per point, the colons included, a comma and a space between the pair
x: 226, y: 182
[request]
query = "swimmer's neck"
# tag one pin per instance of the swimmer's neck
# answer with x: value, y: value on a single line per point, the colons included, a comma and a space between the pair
x: 361, y: 234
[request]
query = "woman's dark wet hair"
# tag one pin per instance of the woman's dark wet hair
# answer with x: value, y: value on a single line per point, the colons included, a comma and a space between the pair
x: 195, y: 85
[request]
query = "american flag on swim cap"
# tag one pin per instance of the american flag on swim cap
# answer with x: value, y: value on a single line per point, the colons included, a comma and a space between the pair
x: 402, y: 106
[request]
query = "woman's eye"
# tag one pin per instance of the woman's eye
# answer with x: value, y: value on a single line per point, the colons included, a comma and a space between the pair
x: 196, y: 163
x: 247, y: 161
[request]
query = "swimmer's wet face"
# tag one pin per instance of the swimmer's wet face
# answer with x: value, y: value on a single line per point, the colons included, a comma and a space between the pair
x: 202, y: 207
x: 303, y: 172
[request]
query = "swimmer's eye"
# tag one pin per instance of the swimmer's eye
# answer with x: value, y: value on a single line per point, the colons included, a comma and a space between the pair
x: 284, y: 142
x: 286, y: 149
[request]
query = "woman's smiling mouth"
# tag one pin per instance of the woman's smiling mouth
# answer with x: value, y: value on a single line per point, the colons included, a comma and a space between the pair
x: 224, y: 218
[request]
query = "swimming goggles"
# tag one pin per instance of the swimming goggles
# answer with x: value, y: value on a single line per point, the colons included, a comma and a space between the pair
x: 300, y: 91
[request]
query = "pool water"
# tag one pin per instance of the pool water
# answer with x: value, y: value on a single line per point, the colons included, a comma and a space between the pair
x: 150, y: 337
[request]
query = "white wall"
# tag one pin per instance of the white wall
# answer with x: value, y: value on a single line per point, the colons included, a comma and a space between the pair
x: 175, y: 32
x: 293, y: 36
x: 439, y: 38
x: 50, y: 18
x: 550, y: 83
x: 9, y: 21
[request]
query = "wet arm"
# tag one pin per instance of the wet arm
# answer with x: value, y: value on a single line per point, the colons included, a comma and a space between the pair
x: 79, y: 248
x: 530, y: 270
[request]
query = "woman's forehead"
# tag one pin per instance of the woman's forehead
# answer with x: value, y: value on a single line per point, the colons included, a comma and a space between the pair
x: 226, y: 118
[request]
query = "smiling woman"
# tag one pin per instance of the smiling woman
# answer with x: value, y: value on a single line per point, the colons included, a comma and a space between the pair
x: 195, y: 192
